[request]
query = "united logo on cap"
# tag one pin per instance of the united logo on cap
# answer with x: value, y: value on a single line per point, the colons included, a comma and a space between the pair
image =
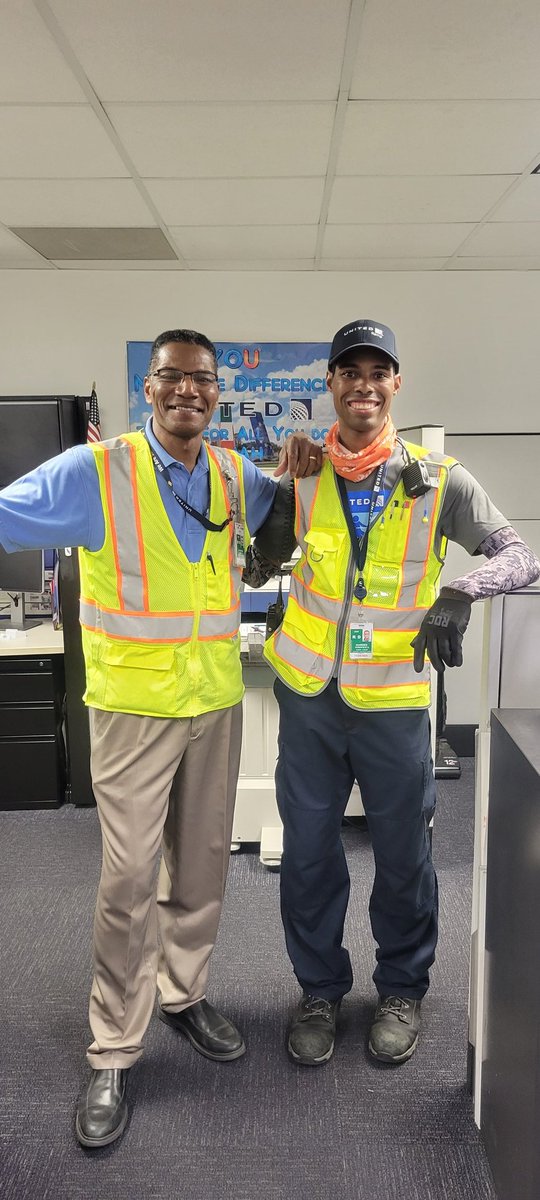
x: 364, y: 333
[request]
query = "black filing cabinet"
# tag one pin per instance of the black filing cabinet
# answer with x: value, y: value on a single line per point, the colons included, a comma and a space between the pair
x: 32, y: 755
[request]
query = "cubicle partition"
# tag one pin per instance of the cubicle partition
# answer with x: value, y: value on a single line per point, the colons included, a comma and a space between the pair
x: 510, y: 681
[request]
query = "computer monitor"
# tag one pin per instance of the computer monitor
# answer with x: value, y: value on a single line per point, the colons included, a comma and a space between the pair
x: 36, y: 428
x: 20, y: 573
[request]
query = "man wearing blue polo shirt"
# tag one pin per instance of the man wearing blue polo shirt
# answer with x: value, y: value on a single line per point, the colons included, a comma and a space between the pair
x: 163, y: 523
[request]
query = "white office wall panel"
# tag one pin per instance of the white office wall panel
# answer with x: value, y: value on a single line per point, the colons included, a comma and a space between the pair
x: 508, y: 467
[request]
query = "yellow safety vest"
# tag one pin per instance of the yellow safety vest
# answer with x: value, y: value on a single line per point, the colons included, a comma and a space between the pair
x: 400, y: 574
x: 160, y: 633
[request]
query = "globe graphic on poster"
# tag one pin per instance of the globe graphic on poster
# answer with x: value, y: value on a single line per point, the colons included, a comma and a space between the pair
x: 298, y: 411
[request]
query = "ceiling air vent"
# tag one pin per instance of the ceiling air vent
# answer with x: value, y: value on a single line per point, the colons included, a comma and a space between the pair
x: 97, y: 245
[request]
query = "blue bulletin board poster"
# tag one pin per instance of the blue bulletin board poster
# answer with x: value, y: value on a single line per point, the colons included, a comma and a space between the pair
x: 267, y: 391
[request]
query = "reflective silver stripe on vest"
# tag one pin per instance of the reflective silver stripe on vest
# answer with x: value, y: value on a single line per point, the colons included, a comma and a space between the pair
x: 328, y: 609
x: 304, y: 660
x: 127, y: 534
x: 219, y: 624
x: 137, y: 627
x: 418, y: 551
x: 232, y: 483
x: 315, y: 603
x: 306, y: 496
x: 392, y: 675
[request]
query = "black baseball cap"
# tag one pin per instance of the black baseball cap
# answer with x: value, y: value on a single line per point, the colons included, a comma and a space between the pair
x: 364, y: 333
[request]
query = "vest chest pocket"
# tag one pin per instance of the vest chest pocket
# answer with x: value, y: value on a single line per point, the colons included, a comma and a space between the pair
x: 326, y: 550
x: 217, y: 583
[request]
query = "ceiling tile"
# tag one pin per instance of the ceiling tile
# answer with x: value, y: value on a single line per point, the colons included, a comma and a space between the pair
x: 254, y: 140
x: 382, y: 264
x: 524, y: 263
x: 393, y: 241
x: 113, y: 264
x: 524, y: 202
x: 458, y: 50
x: 498, y: 239
x: 477, y: 137
x: 278, y: 264
x: 251, y: 241
x: 401, y: 199
x: 71, y: 202
x: 55, y: 142
x: 236, y: 201
x: 249, y: 50
x: 32, y: 69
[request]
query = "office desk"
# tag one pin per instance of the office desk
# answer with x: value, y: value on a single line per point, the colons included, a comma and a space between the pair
x: 32, y: 689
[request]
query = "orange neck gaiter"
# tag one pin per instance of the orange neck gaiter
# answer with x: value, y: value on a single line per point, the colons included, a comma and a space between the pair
x: 359, y: 465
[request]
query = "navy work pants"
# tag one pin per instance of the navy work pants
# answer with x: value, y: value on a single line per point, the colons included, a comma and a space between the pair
x: 324, y: 745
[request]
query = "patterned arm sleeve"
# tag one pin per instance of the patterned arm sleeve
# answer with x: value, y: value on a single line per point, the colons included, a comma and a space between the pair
x: 511, y: 565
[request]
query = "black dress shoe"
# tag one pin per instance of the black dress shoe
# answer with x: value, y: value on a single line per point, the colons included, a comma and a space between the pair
x: 102, y: 1113
x: 209, y: 1032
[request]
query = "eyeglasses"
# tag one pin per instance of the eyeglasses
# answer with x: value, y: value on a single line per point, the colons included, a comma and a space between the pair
x: 200, y: 378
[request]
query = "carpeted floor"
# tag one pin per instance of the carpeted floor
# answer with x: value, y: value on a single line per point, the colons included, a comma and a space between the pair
x: 258, y: 1128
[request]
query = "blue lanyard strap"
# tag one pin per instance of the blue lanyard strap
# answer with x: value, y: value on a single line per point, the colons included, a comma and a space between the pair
x: 193, y: 512
x: 360, y: 544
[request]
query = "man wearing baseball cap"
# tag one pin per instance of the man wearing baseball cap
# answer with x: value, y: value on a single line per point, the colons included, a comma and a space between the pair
x: 353, y: 687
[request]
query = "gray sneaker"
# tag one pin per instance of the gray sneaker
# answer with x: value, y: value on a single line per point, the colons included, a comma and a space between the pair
x: 312, y: 1031
x: 393, y: 1037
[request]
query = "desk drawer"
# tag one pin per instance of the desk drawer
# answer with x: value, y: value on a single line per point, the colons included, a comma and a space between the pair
x: 30, y: 774
x: 21, y: 684
x: 27, y: 721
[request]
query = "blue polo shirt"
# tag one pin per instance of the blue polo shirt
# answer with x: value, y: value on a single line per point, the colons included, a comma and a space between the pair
x: 59, y: 503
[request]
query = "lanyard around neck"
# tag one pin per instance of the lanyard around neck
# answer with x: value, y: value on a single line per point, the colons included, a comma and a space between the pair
x: 359, y: 545
x: 192, y: 512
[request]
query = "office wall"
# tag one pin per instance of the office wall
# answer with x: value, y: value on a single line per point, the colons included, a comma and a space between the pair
x: 467, y: 341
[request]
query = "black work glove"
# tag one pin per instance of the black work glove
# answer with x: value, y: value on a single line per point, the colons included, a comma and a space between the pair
x: 258, y: 569
x: 441, y: 631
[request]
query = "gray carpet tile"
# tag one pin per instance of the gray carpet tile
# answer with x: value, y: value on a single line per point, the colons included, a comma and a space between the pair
x: 257, y: 1127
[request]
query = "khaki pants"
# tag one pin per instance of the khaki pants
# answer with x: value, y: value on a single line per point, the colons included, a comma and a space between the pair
x: 161, y: 786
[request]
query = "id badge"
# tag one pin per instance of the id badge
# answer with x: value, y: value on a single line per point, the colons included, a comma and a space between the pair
x: 361, y: 640
x: 239, y: 549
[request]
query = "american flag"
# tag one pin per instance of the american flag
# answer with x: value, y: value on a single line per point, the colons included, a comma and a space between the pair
x: 93, y: 433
